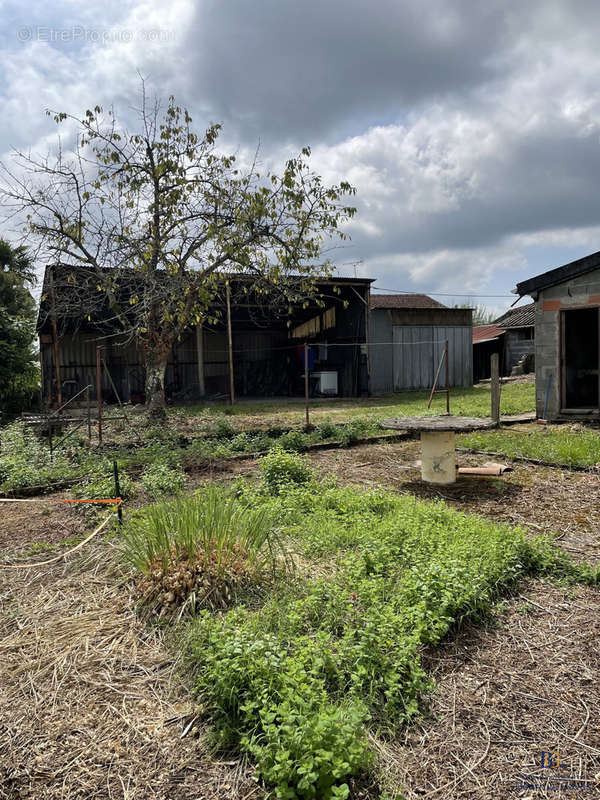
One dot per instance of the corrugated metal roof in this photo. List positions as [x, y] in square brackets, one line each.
[404, 301]
[521, 317]
[486, 333]
[559, 275]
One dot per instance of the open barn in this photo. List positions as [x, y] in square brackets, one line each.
[264, 352]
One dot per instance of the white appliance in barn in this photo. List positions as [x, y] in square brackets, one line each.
[326, 382]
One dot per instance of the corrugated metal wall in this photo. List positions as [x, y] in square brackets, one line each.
[417, 351]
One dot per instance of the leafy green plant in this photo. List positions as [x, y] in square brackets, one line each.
[296, 441]
[159, 479]
[221, 428]
[25, 459]
[327, 430]
[296, 682]
[103, 487]
[279, 469]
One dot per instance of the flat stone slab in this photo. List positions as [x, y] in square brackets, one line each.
[441, 423]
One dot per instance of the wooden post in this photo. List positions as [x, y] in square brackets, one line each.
[230, 347]
[89, 413]
[99, 393]
[306, 384]
[368, 336]
[200, 359]
[55, 340]
[495, 384]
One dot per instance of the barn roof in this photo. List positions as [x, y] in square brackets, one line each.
[559, 275]
[400, 301]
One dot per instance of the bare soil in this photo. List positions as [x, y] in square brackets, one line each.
[44, 521]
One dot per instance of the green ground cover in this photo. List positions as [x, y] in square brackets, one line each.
[516, 398]
[298, 676]
[156, 455]
[557, 445]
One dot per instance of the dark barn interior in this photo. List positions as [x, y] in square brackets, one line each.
[267, 347]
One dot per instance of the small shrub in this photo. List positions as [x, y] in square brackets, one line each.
[294, 441]
[327, 430]
[159, 479]
[280, 469]
[25, 459]
[100, 488]
[221, 428]
[241, 443]
[200, 549]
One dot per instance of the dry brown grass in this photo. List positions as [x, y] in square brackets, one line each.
[91, 705]
[503, 695]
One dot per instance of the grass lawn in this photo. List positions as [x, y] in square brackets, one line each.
[554, 445]
[516, 398]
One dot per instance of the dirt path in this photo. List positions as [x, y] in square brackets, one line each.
[44, 522]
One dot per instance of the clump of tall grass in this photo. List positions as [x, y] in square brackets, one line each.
[199, 551]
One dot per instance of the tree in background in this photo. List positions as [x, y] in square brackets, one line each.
[19, 374]
[163, 213]
[481, 314]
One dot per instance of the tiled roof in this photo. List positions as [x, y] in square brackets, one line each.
[485, 333]
[404, 301]
[521, 317]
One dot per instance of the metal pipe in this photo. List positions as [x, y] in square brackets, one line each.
[118, 491]
[306, 384]
[99, 393]
[70, 400]
[230, 346]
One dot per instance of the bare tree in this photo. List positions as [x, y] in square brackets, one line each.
[159, 218]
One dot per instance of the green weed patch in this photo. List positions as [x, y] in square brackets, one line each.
[297, 683]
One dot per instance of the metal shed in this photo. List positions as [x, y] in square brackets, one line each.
[407, 336]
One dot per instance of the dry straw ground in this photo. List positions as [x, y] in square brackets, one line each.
[90, 703]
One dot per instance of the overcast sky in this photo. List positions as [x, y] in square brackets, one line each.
[471, 129]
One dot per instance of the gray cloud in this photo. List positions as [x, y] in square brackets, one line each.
[292, 71]
[471, 129]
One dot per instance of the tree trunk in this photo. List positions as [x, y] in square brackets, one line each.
[155, 385]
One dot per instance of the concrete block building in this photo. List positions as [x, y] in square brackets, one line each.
[567, 334]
